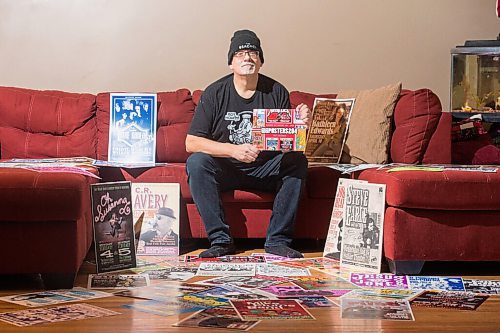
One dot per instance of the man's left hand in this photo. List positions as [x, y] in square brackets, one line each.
[305, 113]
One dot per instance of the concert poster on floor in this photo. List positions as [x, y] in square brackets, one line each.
[113, 226]
[270, 309]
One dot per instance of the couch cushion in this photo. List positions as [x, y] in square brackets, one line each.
[416, 118]
[322, 182]
[297, 97]
[27, 195]
[175, 112]
[439, 235]
[176, 173]
[174, 118]
[196, 96]
[368, 136]
[18, 143]
[447, 190]
[37, 124]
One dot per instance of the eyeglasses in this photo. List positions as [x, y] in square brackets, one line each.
[241, 54]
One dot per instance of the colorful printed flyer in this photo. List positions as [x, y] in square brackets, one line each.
[278, 129]
[270, 309]
[117, 281]
[436, 283]
[488, 287]
[380, 281]
[220, 317]
[373, 309]
[449, 299]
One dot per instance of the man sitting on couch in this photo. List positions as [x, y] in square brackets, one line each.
[224, 159]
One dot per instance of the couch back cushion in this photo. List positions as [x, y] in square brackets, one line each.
[44, 124]
[175, 112]
[297, 97]
[416, 118]
[420, 132]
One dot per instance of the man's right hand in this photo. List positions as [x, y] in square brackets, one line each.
[245, 153]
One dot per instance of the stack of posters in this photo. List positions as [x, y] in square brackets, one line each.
[79, 165]
[333, 242]
[327, 133]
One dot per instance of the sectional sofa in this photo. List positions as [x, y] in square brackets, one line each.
[45, 217]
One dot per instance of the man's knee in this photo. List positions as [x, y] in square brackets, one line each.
[298, 161]
[199, 163]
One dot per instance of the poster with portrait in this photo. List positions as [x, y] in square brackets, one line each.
[132, 128]
[113, 226]
[157, 206]
[362, 231]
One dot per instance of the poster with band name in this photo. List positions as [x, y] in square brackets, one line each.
[113, 226]
[132, 128]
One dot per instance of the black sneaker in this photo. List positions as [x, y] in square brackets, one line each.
[218, 250]
[283, 251]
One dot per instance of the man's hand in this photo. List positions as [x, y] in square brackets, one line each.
[305, 113]
[245, 153]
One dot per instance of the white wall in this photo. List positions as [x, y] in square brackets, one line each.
[313, 45]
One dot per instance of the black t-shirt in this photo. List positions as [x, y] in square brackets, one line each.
[223, 115]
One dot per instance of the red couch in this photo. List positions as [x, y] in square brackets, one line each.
[45, 217]
[36, 124]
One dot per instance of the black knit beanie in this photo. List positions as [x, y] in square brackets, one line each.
[244, 40]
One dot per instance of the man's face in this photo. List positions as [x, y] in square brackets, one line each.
[246, 62]
[165, 223]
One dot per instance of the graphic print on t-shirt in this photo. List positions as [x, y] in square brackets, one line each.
[240, 127]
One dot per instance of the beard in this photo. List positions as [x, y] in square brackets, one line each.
[247, 68]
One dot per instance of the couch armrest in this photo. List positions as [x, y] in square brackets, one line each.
[439, 148]
[422, 132]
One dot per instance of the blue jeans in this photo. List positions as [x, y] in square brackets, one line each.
[276, 172]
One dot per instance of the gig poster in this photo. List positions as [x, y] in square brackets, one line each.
[113, 226]
[132, 131]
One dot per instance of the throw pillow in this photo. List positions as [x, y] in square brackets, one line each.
[368, 136]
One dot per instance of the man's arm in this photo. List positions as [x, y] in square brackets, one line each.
[243, 153]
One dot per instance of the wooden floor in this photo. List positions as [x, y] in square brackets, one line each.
[485, 319]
